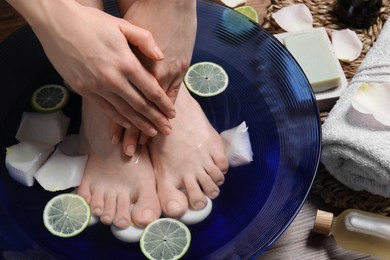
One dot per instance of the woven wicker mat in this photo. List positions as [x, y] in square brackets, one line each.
[325, 185]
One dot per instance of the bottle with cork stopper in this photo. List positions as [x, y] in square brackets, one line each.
[357, 230]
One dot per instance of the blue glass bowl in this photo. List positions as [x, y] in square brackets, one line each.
[267, 89]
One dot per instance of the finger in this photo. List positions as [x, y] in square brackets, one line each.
[110, 110]
[139, 120]
[146, 83]
[143, 139]
[130, 140]
[116, 132]
[139, 110]
[143, 39]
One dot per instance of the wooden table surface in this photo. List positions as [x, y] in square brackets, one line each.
[298, 241]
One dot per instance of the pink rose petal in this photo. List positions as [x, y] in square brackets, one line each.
[346, 44]
[294, 18]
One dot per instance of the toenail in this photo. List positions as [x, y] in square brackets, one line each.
[122, 223]
[173, 207]
[147, 215]
[214, 194]
[199, 204]
[97, 211]
[105, 219]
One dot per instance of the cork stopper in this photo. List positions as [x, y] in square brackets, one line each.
[323, 222]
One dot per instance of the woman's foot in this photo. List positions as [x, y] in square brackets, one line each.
[190, 163]
[120, 189]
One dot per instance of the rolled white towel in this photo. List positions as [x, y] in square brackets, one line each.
[356, 147]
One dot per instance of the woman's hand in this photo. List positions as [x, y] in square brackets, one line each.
[173, 24]
[90, 49]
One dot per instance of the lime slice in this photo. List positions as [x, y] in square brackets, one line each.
[66, 215]
[165, 238]
[49, 98]
[249, 11]
[206, 79]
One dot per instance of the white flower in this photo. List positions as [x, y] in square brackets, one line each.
[374, 98]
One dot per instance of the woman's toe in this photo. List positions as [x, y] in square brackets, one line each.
[173, 201]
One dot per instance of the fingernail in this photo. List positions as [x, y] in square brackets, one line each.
[166, 130]
[126, 125]
[115, 139]
[143, 139]
[159, 53]
[147, 215]
[152, 132]
[173, 207]
[172, 114]
[130, 150]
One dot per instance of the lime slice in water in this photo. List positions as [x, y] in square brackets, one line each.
[248, 11]
[206, 79]
[49, 98]
[165, 238]
[66, 215]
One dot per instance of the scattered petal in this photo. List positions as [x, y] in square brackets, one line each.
[374, 98]
[61, 171]
[346, 44]
[24, 159]
[43, 128]
[231, 3]
[237, 145]
[294, 18]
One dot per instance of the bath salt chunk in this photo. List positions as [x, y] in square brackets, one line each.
[313, 52]
[43, 128]
[22, 160]
[61, 171]
[237, 145]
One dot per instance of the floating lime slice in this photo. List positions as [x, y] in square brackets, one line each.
[49, 98]
[66, 215]
[206, 79]
[165, 238]
[248, 11]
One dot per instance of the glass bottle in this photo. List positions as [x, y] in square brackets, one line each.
[358, 13]
[357, 230]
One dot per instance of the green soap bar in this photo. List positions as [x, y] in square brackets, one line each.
[311, 50]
